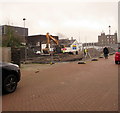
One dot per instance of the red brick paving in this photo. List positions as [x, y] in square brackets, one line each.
[66, 87]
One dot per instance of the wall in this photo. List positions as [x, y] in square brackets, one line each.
[5, 55]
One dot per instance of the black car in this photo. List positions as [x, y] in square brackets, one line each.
[10, 76]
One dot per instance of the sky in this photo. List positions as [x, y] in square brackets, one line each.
[83, 20]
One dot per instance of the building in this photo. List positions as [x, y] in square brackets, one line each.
[70, 46]
[106, 40]
[19, 32]
[38, 42]
[92, 44]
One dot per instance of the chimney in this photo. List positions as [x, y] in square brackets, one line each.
[71, 38]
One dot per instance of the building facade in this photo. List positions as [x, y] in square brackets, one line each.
[19, 32]
[38, 42]
[106, 40]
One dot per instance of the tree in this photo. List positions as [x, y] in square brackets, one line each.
[11, 39]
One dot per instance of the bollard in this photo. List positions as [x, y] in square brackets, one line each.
[82, 62]
[94, 59]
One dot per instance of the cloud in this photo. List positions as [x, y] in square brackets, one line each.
[61, 35]
[88, 24]
[45, 24]
[65, 18]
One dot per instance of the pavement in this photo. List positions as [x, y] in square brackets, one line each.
[66, 87]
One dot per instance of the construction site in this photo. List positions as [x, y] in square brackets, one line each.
[60, 56]
[49, 49]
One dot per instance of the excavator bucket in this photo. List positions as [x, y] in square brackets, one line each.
[46, 51]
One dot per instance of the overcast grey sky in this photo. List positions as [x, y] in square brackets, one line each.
[74, 18]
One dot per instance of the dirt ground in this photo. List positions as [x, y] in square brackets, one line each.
[46, 59]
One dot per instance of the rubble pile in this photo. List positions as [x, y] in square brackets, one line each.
[44, 59]
[55, 58]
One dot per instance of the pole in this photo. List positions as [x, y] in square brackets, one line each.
[25, 40]
[109, 30]
[52, 53]
[109, 35]
[80, 48]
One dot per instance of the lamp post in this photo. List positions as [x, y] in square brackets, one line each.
[24, 21]
[109, 29]
[25, 40]
[109, 34]
[52, 62]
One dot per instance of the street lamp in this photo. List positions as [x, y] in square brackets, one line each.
[24, 21]
[109, 34]
[25, 39]
[109, 29]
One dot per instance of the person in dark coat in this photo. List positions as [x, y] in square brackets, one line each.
[106, 52]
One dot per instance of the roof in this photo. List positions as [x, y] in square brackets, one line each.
[14, 26]
[66, 42]
[41, 36]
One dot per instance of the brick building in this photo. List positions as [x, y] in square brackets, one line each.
[104, 40]
[19, 32]
[35, 42]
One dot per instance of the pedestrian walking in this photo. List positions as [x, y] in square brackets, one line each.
[106, 52]
[86, 53]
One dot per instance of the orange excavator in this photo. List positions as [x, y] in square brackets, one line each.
[47, 50]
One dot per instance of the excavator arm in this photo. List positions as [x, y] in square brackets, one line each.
[46, 50]
[56, 41]
[48, 40]
[50, 37]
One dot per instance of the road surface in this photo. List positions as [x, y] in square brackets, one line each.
[66, 87]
